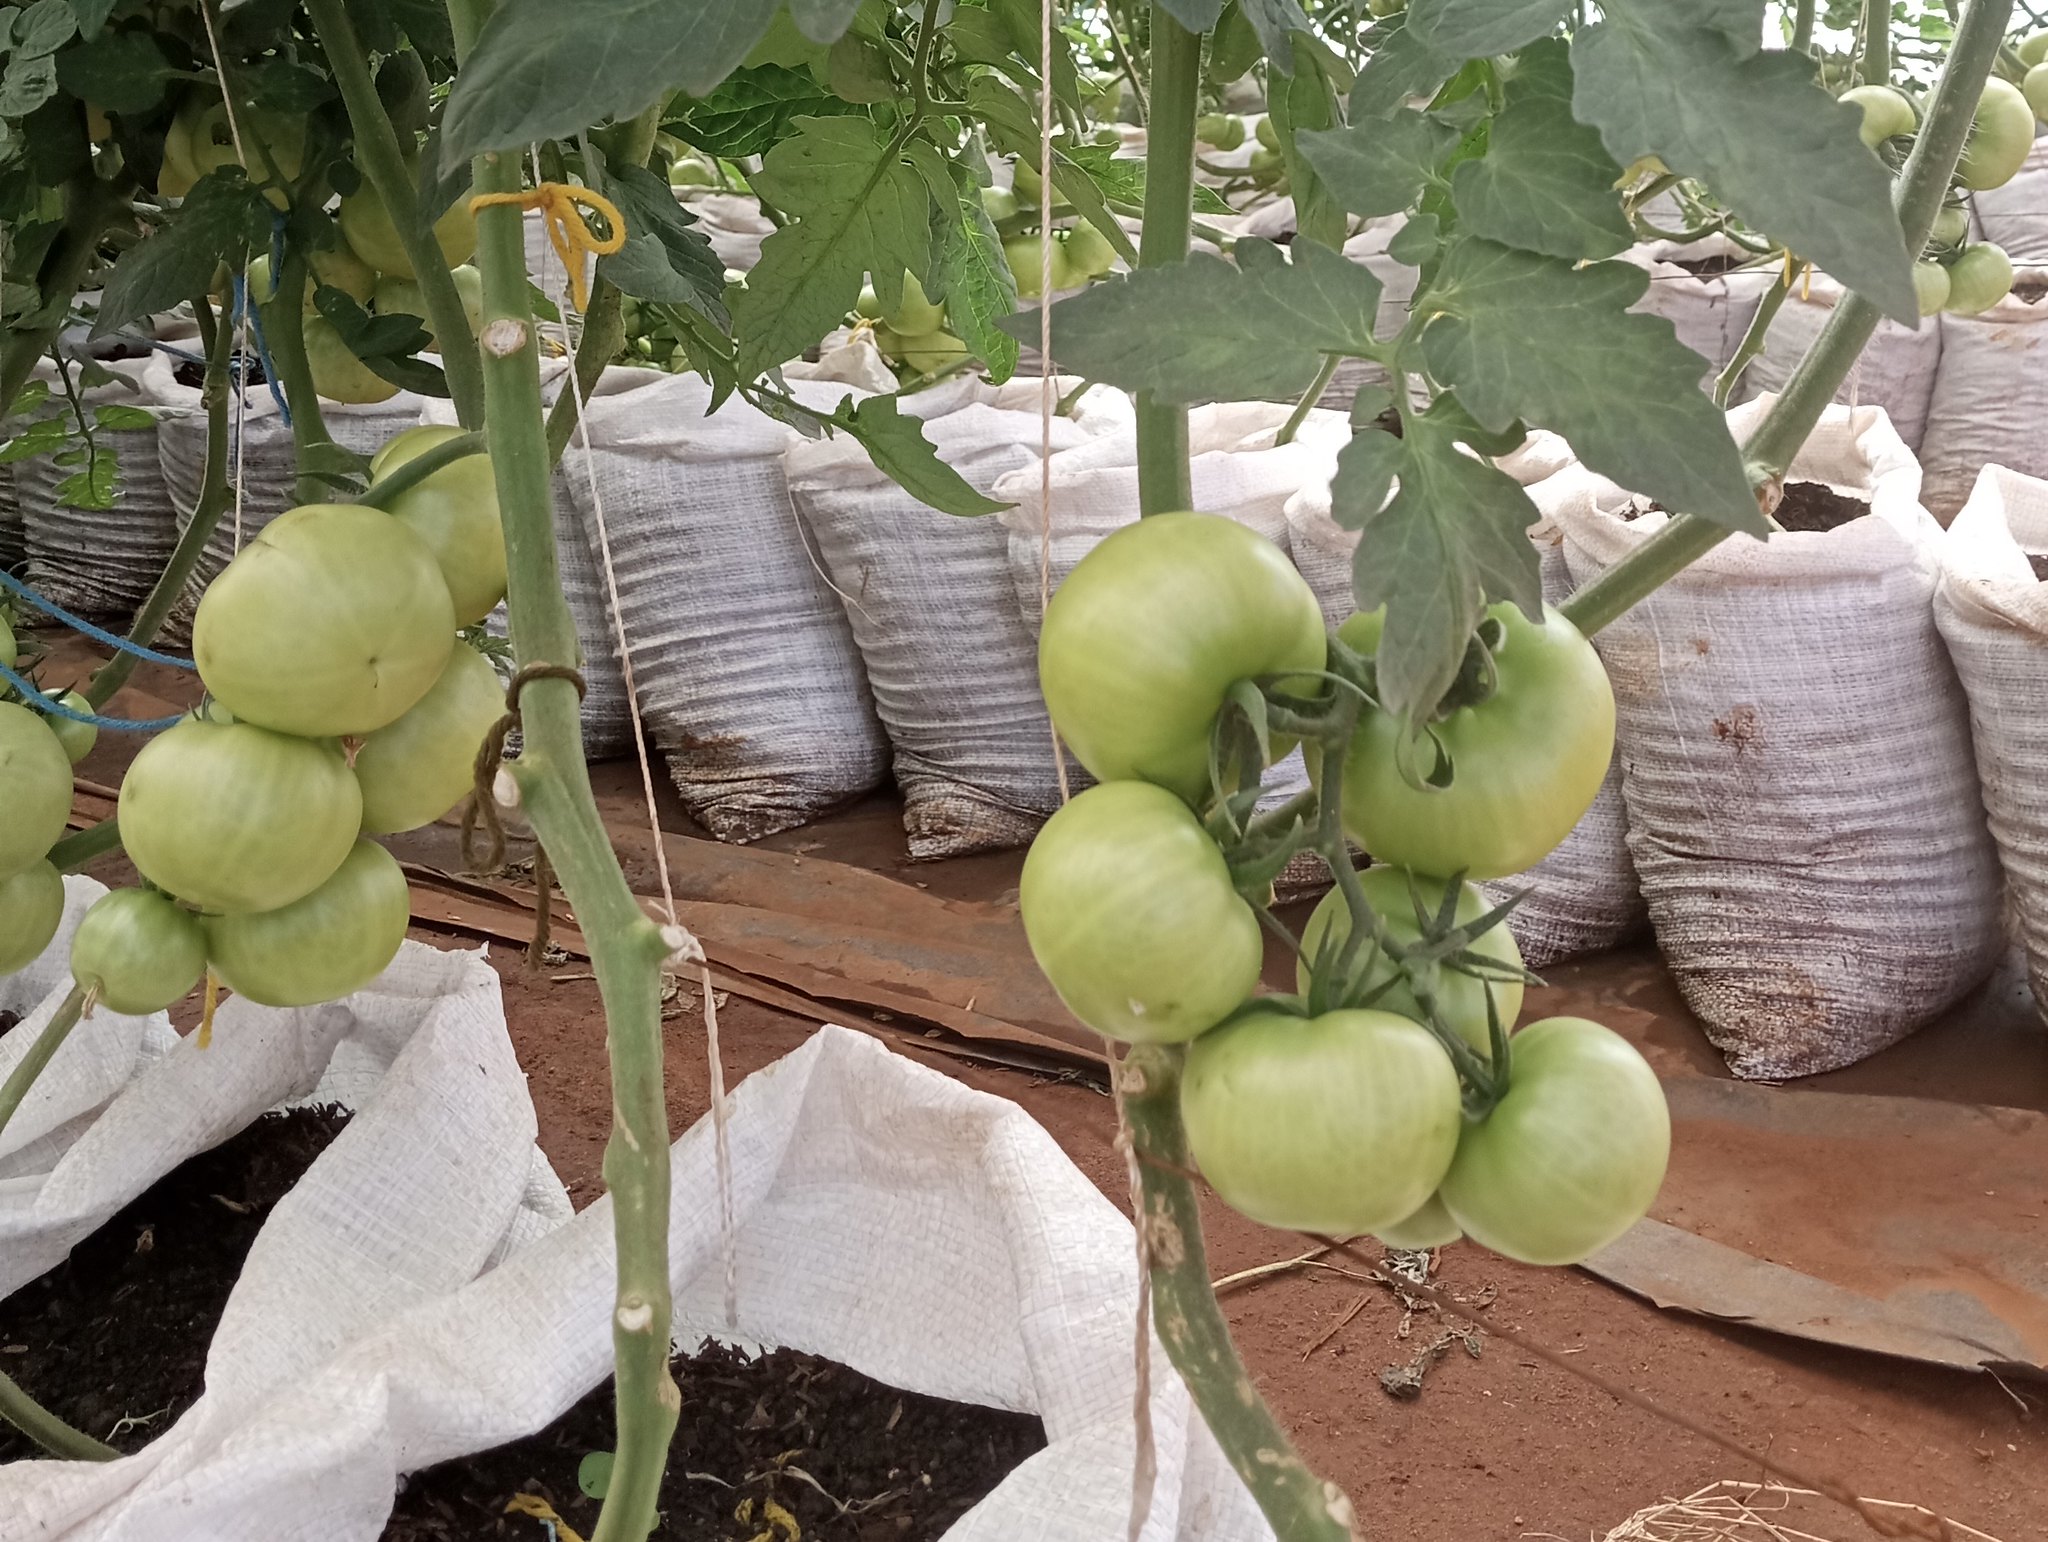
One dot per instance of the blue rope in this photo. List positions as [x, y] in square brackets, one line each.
[50, 704]
[97, 633]
[253, 314]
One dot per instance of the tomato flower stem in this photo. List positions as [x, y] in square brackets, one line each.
[1752, 342]
[1309, 398]
[1163, 477]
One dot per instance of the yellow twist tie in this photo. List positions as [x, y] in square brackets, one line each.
[567, 231]
[538, 1508]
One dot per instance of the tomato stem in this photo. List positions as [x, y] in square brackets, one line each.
[284, 333]
[54, 1033]
[1164, 481]
[78, 848]
[415, 471]
[61, 1440]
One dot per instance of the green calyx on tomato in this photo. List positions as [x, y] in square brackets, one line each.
[31, 909]
[1129, 909]
[1524, 762]
[138, 950]
[416, 769]
[455, 511]
[1460, 997]
[1887, 113]
[334, 620]
[1334, 1125]
[37, 777]
[1148, 634]
[1978, 278]
[1571, 1156]
[232, 817]
[2001, 134]
[326, 944]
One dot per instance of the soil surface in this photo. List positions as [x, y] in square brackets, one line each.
[114, 1339]
[2038, 561]
[847, 1458]
[1817, 506]
[1714, 266]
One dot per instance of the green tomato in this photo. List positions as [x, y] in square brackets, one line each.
[1268, 134]
[1089, 253]
[690, 171]
[1887, 113]
[1572, 1156]
[1429, 1227]
[2035, 88]
[1129, 909]
[1931, 285]
[1222, 129]
[76, 738]
[334, 620]
[140, 949]
[1333, 1125]
[232, 817]
[916, 315]
[1951, 228]
[367, 228]
[176, 177]
[1978, 279]
[930, 352]
[2001, 134]
[331, 942]
[206, 142]
[1024, 177]
[2034, 49]
[1026, 257]
[1460, 998]
[10, 650]
[36, 777]
[401, 296]
[455, 511]
[31, 909]
[338, 375]
[1526, 761]
[1266, 164]
[1150, 631]
[999, 204]
[416, 769]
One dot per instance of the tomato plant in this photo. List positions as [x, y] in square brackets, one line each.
[455, 512]
[413, 770]
[1978, 278]
[2000, 136]
[37, 777]
[31, 908]
[322, 945]
[138, 951]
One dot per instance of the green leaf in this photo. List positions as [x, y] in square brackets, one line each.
[1276, 22]
[39, 438]
[1402, 67]
[1480, 29]
[1525, 336]
[1380, 166]
[898, 447]
[95, 486]
[30, 81]
[1012, 123]
[278, 85]
[1309, 102]
[222, 218]
[751, 111]
[43, 28]
[32, 396]
[1233, 46]
[388, 344]
[856, 207]
[119, 419]
[1545, 183]
[1453, 537]
[665, 257]
[92, 15]
[335, 464]
[1203, 330]
[1020, 17]
[979, 288]
[425, 22]
[120, 72]
[1757, 129]
[1196, 15]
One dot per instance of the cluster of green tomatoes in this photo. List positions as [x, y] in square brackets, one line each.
[340, 705]
[1386, 1097]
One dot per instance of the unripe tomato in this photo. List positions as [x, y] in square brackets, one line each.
[690, 171]
[1572, 1156]
[931, 352]
[338, 375]
[416, 769]
[1526, 761]
[1026, 181]
[1026, 255]
[1460, 998]
[999, 204]
[342, 269]
[2034, 49]
[1887, 113]
[2035, 88]
[1930, 284]
[370, 234]
[333, 941]
[1129, 910]
[139, 949]
[36, 778]
[1150, 631]
[1978, 279]
[1222, 129]
[31, 909]
[916, 315]
[232, 817]
[1089, 253]
[1951, 228]
[1268, 134]
[2001, 134]
[455, 511]
[333, 620]
[1335, 1125]
[1266, 164]
[1429, 1227]
[401, 296]
[207, 142]
[76, 738]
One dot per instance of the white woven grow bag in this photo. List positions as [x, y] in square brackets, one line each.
[1993, 615]
[1990, 402]
[1710, 312]
[2016, 215]
[927, 1235]
[1802, 803]
[1895, 371]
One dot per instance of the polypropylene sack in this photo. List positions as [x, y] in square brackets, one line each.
[1796, 765]
[1895, 371]
[1990, 401]
[2015, 216]
[733, 223]
[1993, 614]
[745, 668]
[1694, 287]
[927, 1235]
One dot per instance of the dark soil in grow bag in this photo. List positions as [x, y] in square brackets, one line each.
[114, 1339]
[846, 1458]
[1805, 506]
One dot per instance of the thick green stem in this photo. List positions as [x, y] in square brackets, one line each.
[47, 1430]
[1163, 476]
[213, 502]
[1309, 398]
[1875, 62]
[24, 1075]
[284, 335]
[1298, 1505]
[1922, 188]
[385, 163]
[90, 208]
[1802, 27]
[421, 466]
[553, 789]
[81, 847]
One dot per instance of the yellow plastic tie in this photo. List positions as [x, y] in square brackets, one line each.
[542, 1511]
[568, 231]
[206, 1013]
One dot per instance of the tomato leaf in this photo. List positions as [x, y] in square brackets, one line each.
[1203, 330]
[1309, 102]
[96, 486]
[857, 207]
[1545, 182]
[118, 419]
[42, 28]
[898, 447]
[29, 81]
[1756, 127]
[751, 110]
[978, 288]
[1012, 123]
[1401, 67]
[1275, 21]
[665, 258]
[1452, 538]
[1522, 335]
[1479, 29]
[222, 219]
[120, 72]
[1380, 166]
[39, 438]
